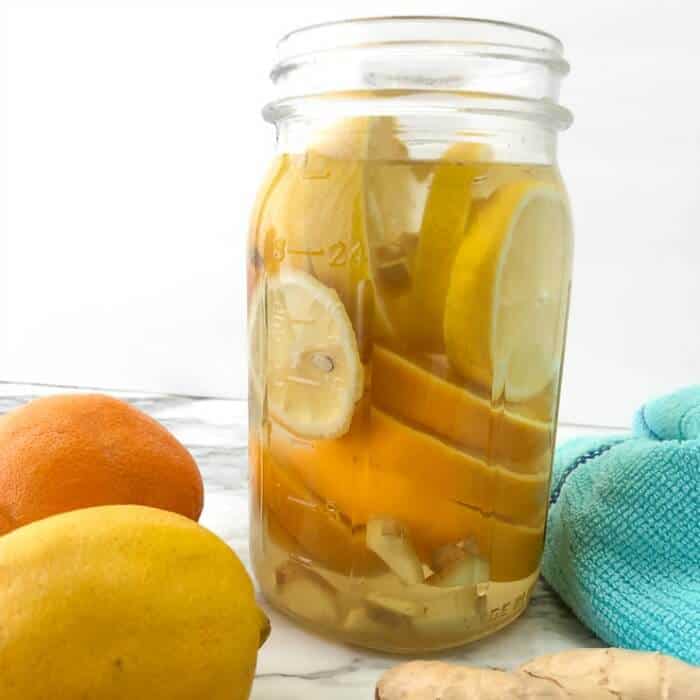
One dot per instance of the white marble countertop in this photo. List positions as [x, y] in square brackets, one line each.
[293, 663]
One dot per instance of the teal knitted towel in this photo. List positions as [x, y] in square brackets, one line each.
[623, 533]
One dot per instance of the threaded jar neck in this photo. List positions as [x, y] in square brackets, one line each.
[420, 65]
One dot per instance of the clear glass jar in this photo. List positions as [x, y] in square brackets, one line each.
[409, 273]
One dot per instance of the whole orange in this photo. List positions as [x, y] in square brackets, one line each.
[62, 453]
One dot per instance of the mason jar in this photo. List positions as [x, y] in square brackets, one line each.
[409, 270]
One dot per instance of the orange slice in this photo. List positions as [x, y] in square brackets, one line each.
[394, 471]
[332, 467]
[295, 512]
[439, 406]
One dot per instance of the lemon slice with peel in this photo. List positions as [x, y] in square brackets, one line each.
[506, 305]
[303, 355]
[447, 210]
[329, 207]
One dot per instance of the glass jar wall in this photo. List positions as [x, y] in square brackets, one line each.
[409, 271]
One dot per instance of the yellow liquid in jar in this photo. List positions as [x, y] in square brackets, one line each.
[421, 526]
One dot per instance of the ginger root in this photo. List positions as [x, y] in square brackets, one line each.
[585, 674]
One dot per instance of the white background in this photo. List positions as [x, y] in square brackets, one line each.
[134, 145]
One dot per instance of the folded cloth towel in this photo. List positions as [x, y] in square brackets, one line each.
[623, 533]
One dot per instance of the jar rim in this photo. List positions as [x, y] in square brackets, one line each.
[534, 44]
[437, 63]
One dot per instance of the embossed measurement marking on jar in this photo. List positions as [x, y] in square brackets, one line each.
[306, 251]
[338, 253]
[509, 608]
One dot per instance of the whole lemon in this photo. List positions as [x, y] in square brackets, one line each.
[125, 603]
[61, 453]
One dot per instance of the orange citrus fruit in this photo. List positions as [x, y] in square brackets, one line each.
[62, 453]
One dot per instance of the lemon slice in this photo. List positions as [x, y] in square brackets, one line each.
[303, 355]
[444, 225]
[506, 305]
[379, 200]
[360, 138]
[330, 206]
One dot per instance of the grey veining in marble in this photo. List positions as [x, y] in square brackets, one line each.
[294, 664]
